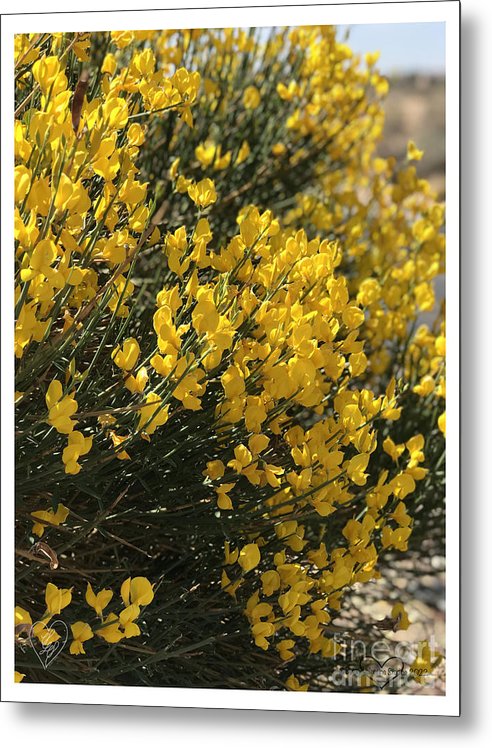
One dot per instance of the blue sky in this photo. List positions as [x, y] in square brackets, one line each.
[404, 47]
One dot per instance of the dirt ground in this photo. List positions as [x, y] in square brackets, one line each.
[420, 584]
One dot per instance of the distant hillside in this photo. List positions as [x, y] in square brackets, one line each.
[415, 110]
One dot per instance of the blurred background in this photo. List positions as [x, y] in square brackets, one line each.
[413, 60]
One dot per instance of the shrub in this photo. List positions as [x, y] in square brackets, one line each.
[227, 410]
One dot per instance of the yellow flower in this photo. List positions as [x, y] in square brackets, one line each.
[441, 422]
[115, 113]
[278, 149]
[144, 63]
[356, 467]
[258, 443]
[205, 316]
[229, 586]
[106, 161]
[287, 93]
[126, 356]
[424, 296]
[261, 630]
[127, 620]
[284, 649]
[243, 153]
[81, 633]
[60, 409]
[18, 677]
[42, 257]
[371, 58]
[49, 517]
[249, 557]
[139, 382]
[402, 485]
[57, 599]
[215, 469]
[135, 135]
[369, 291]
[413, 153]
[122, 38]
[22, 182]
[206, 153]
[270, 581]
[242, 458]
[251, 98]
[415, 446]
[254, 414]
[399, 613]
[230, 557]
[109, 64]
[396, 538]
[45, 72]
[21, 616]
[293, 684]
[223, 499]
[203, 193]
[99, 601]
[117, 440]
[401, 516]
[393, 450]
[353, 317]
[44, 633]
[423, 665]
[137, 590]
[78, 445]
[425, 386]
[110, 630]
[152, 414]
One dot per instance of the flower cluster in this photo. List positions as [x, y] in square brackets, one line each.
[112, 627]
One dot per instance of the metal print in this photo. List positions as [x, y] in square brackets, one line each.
[228, 260]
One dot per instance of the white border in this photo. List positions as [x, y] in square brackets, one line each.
[445, 11]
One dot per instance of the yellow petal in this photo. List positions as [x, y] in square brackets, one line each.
[141, 591]
[125, 591]
[54, 393]
[249, 557]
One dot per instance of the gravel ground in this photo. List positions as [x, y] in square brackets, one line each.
[420, 585]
